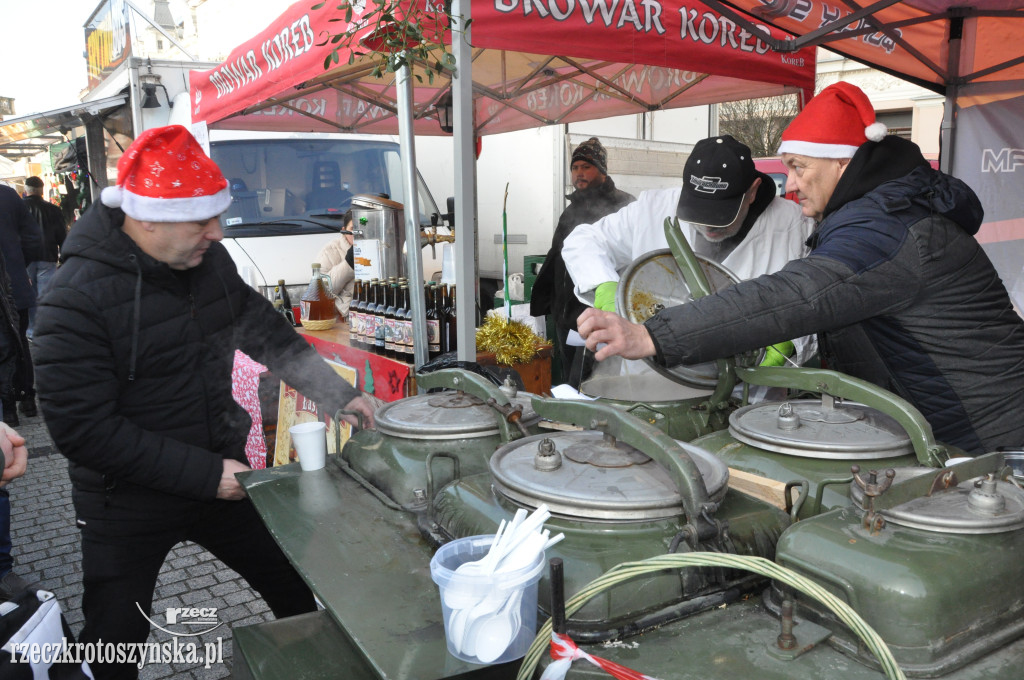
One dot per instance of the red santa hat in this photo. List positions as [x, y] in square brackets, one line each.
[833, 124]
[165, 176]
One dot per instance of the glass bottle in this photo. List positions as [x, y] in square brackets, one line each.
[433, 323]
[450, 341]
[366, 332]
[391, 323]
[378, 318]
[278, 300]
[316, 303]
[404, 315]
[286, 299]
[353, 313]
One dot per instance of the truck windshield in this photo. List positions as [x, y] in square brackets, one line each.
[277, 179]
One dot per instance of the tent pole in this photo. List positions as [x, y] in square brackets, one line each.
[403, 88]
[466, 281]
[947, 133]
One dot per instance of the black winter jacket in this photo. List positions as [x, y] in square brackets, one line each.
[133, 366]
[553, 290]
[901, 294]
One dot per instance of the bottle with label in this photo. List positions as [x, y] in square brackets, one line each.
[317, 304]
[378, 318]
[278, 300]
[366, 323]
[391, 323]
[433, 323]
[404, 314]
[450, 341]
[353, 312]
[285, 298]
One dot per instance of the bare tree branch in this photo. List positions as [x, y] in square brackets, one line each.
[758, 123]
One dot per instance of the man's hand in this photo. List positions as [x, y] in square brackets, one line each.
[15, 453]
[360, 405]
[230, 489]
[620, 337]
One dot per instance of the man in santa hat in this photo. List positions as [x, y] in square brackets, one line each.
[898, 289]
[134, 347]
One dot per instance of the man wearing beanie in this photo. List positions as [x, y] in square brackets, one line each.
[134, 344]
[898, 289]
[729, 213]
[594, 197]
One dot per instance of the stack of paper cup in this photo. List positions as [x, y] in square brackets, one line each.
[310, 442]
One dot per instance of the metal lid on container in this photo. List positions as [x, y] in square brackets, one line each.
[977, 506]
[654, 282]
[445, 415]
[820, 429]
[589, 476]
[372, 202]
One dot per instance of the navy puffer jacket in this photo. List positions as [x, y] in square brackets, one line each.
[133, 365]
[900, 293]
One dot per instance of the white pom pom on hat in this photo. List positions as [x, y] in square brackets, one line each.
[834, 124]
[165, 176]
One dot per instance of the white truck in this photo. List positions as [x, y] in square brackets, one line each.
[289, 192]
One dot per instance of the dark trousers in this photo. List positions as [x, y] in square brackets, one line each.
[24, 376]
[120, 572]
[6, 561]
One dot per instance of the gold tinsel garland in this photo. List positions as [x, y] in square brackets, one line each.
[512, 342]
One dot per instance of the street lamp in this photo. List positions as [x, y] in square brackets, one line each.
[443, 107]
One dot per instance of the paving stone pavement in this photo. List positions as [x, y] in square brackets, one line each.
[47, 549]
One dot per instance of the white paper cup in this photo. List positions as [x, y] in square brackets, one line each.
[310, 442]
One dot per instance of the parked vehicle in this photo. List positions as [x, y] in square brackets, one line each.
[289, 192]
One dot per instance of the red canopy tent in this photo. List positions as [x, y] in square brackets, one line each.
[971, 50]
[610, 59]
[584, 59]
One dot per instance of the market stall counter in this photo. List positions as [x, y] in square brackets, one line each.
[379, 376]
[369, 567]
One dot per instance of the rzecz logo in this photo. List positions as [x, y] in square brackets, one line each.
[186, 621]
[708, 185]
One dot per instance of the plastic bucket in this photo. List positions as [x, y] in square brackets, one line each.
[481, 611]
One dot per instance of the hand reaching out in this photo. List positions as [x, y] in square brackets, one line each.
[619, 336]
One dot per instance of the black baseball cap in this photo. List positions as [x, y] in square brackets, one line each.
[716, 177]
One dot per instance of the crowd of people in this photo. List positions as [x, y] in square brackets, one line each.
[133, 341]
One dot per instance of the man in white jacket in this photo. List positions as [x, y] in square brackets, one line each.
[728, 212]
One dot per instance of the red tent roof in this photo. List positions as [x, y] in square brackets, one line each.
[612, 58]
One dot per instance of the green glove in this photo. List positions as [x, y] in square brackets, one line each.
[604, 295]
[775, 355]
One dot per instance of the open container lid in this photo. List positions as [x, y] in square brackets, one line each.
[653, 282]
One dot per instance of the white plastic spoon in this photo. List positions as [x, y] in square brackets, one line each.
[491, 635]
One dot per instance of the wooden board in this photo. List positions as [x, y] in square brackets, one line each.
[768, 490]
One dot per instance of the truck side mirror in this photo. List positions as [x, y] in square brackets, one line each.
[449, 216]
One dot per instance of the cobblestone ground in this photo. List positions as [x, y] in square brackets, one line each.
[47, 550]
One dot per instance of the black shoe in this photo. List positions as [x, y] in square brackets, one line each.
[28, 407]
[12, 585]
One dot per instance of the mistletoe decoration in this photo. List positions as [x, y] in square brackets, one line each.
[393, 34]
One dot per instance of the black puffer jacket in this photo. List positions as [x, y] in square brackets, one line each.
[901, 294]
[133, 366]
[553, 290]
